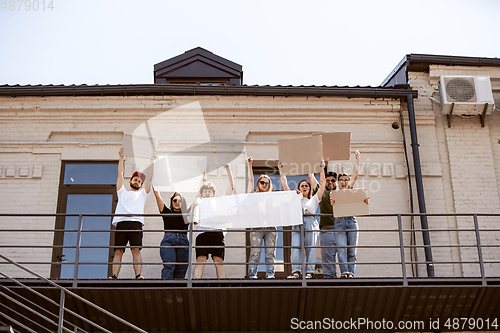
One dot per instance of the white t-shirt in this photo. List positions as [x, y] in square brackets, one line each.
[130, 202]
[309, 205]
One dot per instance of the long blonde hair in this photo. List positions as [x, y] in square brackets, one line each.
[270, 183]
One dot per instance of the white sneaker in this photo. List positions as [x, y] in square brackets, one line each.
[253, 277]
[270, 277]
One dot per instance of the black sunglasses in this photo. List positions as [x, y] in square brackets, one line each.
[330, 181]
[176, 200]
[263, 183]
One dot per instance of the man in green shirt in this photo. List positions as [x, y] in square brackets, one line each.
[327, 235]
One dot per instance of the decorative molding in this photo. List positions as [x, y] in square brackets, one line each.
[21, 171]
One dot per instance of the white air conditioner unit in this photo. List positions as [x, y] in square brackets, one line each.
[466, 95]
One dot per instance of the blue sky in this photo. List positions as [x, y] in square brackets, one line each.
[277, 42]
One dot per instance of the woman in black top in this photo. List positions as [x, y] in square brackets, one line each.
[175, 235]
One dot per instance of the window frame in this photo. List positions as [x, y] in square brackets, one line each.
[64, 190]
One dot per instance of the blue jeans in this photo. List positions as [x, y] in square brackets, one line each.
[346, 237]
[327, 238]
[269, 236]
[311, 239]
[176, 255]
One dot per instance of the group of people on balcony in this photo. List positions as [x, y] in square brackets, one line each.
[338, 236]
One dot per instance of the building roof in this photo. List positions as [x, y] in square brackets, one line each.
[421, 62]
[196, 90]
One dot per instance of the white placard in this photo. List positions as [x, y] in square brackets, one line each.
[251, 210]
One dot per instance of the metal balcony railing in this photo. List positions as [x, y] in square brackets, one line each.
[399, 232]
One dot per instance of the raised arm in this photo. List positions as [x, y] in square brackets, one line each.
[284, 182]
[250, 176]
[159, 199]
[356, 170]
[313, 181]
[119, 179]
[149, 177]
[322, 181]
[230, 181]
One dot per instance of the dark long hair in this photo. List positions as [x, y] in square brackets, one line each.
[183, 202]
[310, 188]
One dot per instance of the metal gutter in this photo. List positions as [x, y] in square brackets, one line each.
[199, 90]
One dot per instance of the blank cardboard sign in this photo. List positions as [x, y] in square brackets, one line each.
[138, 146]
[336, 146]
[349, 202]
[300, 156]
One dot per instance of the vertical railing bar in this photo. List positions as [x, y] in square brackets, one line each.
[303, 254]
[402, 248]
[190, 257]
[479, 250]
[61, 311]
[77, 250]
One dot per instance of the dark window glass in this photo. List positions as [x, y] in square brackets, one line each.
[90, 173]
[87, 204]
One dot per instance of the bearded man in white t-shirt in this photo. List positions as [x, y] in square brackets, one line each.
[129, 228]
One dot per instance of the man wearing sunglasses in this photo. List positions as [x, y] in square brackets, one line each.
[327, 235]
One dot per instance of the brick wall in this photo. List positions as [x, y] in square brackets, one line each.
[45, 131]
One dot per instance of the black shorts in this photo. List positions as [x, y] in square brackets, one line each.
[134, 236]
[210, 238]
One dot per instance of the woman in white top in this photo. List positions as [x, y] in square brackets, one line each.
[311, 225]
[258, 235]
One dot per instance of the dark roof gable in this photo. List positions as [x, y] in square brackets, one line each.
[198, 64]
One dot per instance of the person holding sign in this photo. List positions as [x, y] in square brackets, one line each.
[258, 235]
[311, 226]
[130, 202]
[175, 235]
[210, 236]
[347, 227]
[327, 234]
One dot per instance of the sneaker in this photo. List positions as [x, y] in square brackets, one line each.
[139, 277]
[270, 277]
[114, 277]
[253, 277]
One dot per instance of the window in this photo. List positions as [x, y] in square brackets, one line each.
[85, 188]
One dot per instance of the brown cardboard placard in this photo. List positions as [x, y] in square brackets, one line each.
[336, 145]
[138, 146]
[349, 202]
[300, 156]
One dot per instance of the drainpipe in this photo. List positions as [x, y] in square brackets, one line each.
[420, 187]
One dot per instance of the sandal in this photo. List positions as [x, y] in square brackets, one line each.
[344, 276]
[293, 276]
[309, 276]
[351, 276]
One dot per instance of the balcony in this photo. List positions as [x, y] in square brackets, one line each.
[32, 301]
